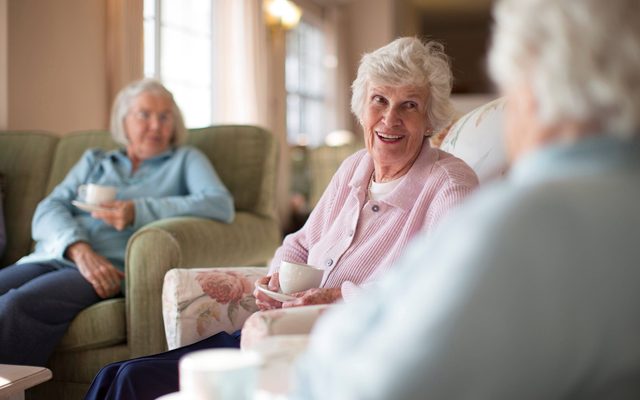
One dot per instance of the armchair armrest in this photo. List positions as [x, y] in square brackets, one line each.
[289, 321]
[200, 302]
[185, 242]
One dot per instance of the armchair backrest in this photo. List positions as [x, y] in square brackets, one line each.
[33, 163]
[244, 156]
[25, 158]
[70, 149]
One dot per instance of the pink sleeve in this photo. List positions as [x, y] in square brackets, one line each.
[349, 291]
[462, 182]
[295, 246]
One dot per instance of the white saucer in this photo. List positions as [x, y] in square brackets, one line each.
[274, 295]
[87, 207]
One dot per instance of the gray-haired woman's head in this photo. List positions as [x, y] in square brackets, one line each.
[124, 100]
[581, 59]
[408, 62]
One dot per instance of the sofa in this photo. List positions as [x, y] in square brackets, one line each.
[33, 162]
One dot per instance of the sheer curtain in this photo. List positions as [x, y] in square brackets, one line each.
[247, 74]
[240, 76]
[249, 80]
[125, 60]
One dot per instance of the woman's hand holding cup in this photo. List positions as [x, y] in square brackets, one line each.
[314, 296]
[264, 302]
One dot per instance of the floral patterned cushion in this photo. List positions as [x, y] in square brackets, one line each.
[477, 139]
[200, 302]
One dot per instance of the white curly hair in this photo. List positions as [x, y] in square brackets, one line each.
[408, 61]
[581, 58]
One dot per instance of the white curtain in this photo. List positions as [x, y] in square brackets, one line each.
[240, 48]
[125, 60]
[249, 80]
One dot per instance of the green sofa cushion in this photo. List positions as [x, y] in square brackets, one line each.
[103, 324]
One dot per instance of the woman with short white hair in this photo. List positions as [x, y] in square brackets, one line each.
[79, 256]
[530, 290]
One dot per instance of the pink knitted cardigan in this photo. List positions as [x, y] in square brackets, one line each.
[355, 239]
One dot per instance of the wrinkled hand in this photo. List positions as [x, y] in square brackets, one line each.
[101, 274]
[119, 213]
[263, 301]
[314, 296]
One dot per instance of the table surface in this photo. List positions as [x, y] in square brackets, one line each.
[15, 379]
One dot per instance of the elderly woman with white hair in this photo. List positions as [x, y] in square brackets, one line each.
[79, 255]
[377, 201]
[531, 289]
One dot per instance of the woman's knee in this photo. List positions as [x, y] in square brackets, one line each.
[14, 302]
[146, 379]
[140, 370]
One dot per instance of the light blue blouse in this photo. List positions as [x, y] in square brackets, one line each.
[529, 291]
[179, 182]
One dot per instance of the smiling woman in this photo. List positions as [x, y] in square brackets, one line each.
[395, 127]
[401, 96]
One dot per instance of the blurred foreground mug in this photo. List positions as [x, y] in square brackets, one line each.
[279, 353]
[219, 374]
[92, 193]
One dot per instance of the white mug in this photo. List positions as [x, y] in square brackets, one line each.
[295, 277]
[95, 194]
[279, 353]
[219, 374]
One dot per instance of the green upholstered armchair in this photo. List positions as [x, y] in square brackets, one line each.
[122, 328]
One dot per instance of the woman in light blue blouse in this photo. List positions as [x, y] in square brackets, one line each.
[79, 255]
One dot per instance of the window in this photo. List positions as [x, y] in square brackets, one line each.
[178, 50]
[306, 85]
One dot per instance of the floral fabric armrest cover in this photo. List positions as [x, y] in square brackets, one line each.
[200, 302]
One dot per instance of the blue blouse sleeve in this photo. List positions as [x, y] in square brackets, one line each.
[207, 196]
[54, 226]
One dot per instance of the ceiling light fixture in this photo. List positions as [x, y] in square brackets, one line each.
[282, 13]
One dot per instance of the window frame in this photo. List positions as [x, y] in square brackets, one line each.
[304, 96]
[156, 69]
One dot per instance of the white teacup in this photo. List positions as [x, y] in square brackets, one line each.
[220, 374]
[296, 277]
[92, 193]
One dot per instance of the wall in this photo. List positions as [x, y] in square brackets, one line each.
[466, 37]
[370, 26]
[57, 65]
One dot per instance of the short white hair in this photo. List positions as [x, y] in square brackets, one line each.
[124, 101]
[408, 61]
[581, 57]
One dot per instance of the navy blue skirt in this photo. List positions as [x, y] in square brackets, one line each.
[152, 376]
